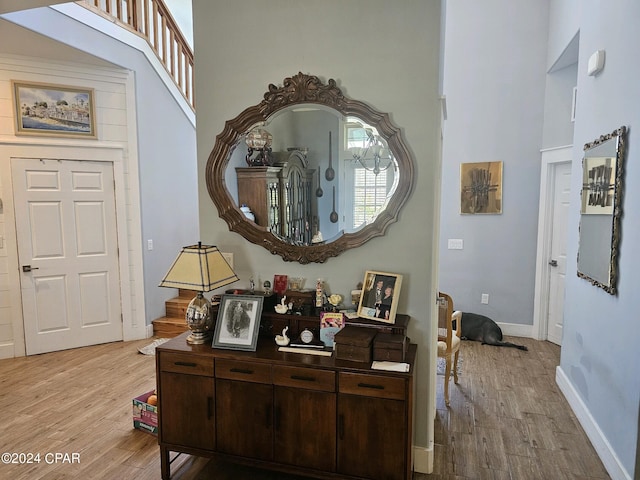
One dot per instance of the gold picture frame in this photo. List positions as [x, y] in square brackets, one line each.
[379, 297]
[481, 188]
[53, 110]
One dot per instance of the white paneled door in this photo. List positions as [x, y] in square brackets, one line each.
[558, 260]
[67, 249]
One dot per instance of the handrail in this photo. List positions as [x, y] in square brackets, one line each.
[152, 20]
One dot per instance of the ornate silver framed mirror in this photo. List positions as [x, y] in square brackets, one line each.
[601, 209]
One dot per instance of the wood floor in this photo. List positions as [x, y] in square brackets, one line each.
[507, 419]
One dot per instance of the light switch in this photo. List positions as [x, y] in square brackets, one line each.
[455, 244]
[484, 299]
[149, 244]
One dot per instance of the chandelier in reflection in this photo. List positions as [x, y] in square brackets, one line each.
[375, 155]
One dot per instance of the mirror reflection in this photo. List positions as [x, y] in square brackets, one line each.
[309, 175]
[601, 197]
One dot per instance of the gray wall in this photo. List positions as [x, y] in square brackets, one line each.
[396, 73]
[600, 354]
[494, 82]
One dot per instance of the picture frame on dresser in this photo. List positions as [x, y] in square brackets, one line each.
[238, 322]
[379, 296]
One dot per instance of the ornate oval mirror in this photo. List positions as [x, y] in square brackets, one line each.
[601, 209]
[309, 173]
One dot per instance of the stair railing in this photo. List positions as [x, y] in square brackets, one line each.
[152, 20]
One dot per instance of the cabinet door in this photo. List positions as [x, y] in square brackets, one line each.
[371, 437]
[305, 428]
[186, 410]
[244, 412]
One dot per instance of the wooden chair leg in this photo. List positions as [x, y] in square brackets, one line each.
[455, 367]
[447, 376]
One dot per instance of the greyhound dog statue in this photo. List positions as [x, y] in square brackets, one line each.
[483, 329]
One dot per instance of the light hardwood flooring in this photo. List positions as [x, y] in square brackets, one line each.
[507, 419]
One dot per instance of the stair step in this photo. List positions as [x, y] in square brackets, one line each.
[168, 327]
[177, 307]
[187, 293]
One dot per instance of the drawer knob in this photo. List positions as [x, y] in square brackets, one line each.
[242, 370]
[303, 378]
[186, 364]
[370, 385]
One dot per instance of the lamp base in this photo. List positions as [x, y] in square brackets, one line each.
[198, 318]
[198, 338]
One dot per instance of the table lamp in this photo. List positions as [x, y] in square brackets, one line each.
[201, 268]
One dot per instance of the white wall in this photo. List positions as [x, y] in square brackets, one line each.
[600, 354]
[494, 82]
[380, 52]
[110, 92]
[162, 142]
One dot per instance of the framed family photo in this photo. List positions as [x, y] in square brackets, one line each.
[238, 322]
[379, 297]
[53, 110]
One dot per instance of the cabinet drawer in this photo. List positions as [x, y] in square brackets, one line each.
[372, 385]
[301, 377]
[241, 370]
[185, 363]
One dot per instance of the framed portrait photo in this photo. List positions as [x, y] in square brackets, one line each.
[379, 297]
[54, 110]
[238, 322]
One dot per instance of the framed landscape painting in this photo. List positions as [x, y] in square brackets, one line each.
[53, 110]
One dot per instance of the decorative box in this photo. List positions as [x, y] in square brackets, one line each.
[389, 347]
[354, 343]
[145, 416]
[302, 300]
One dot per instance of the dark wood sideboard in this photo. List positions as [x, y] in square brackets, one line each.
[296, 413]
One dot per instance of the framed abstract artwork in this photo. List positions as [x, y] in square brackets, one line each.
[481, 187]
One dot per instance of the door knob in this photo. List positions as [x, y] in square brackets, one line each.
[553, 263]
[28, 268]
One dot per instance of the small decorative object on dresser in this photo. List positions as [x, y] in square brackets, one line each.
[354, 343]
[238, 322]
[330, 324]
[379, 298]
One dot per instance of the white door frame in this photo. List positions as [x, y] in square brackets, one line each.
[550, 157]
[131, 273]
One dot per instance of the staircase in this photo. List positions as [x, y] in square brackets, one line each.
[173, 323]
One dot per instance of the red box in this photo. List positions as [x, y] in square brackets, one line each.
[145, 416]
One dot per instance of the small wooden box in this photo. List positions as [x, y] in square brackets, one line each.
[354, 343]
[389, 347]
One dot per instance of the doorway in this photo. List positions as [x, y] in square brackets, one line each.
[67, 252]
[555, 192]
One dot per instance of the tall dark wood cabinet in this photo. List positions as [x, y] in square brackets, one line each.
[298, 413]
[259, 189]
[281, 198]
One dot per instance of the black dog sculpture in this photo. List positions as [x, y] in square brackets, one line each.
[483, 329]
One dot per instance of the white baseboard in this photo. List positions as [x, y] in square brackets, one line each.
[149, 331]
[7, 351]
[517, 330]
[602, 446]
[422, 459]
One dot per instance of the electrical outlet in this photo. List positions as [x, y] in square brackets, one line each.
[485, 298]
[149, 244]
